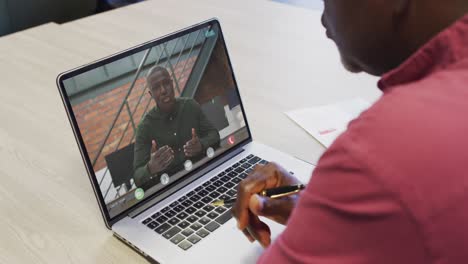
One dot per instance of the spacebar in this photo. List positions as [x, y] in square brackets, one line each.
[224, 217]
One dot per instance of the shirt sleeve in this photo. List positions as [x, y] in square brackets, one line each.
[346, 216]
[209, 135]
[141, 157]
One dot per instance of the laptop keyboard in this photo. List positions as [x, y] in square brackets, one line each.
[191, 218]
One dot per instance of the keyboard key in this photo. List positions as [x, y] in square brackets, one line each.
[147, 220]
[194, 239]
[231, 193]
[212, 226]
[249, 170]
[171, 232]
[224, 217]
[165, 209]
[246, 166]
[207, 199]
[236, 180]
[192, 219]
[222, 189]
[179, 208]
[235, 165]
[225, 178]
[195, 198]
[186, 203]
[254, 160]
[182, 215]
[183, 224]
[177, 239]
[214, 194]
[162, 228]
[263, 162]
[242, 175]
[222, 174]
[250, 156]
[156, 215]
[206, 183]
[185, 245]
[173, 221]
[170, 214]
[228, 170]
[229, 185]
[191, 210]
[152, 225]
[161, 219]
[174, 204]
[199, 188]
[196, 226]
[208, 207]
[224, 197]
[187, 232]
[217, 183]
[210, 188]
[233, 174]
[202, 193]
[239, 170]
[204, 221]
[212, 215]
[200, 213]
[181, 199]
[190, 193]
[202, 233]
[242, 160]
[198, 205]
[220, 210]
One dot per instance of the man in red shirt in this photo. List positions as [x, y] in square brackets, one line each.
[394, 187]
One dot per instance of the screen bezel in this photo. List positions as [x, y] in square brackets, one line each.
[109, 221]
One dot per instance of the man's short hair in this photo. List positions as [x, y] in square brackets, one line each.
[156, 69]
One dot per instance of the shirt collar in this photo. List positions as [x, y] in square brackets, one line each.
[447, 48]
[158, 114]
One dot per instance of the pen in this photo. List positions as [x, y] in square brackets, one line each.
[272, 193]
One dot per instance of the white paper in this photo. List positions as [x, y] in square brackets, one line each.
[326, 123]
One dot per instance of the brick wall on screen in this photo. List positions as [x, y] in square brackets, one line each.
[95, 116]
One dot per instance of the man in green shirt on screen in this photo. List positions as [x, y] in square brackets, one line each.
[173, 132]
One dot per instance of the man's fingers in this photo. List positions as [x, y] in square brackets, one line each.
[248, 235]
[261, 178]
[154, 147]
[259, 230]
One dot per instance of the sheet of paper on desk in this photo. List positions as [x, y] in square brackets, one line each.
[326, 123]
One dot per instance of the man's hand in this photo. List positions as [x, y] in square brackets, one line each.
[193, 147]
[160, 158]
[249, 205]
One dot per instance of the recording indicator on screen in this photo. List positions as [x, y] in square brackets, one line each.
[210, 33]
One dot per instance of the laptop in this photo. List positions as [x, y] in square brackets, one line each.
[163, 133]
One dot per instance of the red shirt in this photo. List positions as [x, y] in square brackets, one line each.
[394, 187]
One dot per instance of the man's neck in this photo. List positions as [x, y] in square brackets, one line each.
[428, 18]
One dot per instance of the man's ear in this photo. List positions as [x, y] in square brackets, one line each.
[400, 12]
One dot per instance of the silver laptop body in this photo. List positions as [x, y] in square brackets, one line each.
[169, 221]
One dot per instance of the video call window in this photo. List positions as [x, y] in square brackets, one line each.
[155, 115]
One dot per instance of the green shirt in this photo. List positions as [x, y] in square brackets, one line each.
[174, 130]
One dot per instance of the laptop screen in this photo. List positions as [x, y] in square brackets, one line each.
[152, 115]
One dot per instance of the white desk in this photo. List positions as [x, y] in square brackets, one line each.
[282, 61]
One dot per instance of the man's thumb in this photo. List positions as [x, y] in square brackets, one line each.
[194, 133]
[154, 147]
